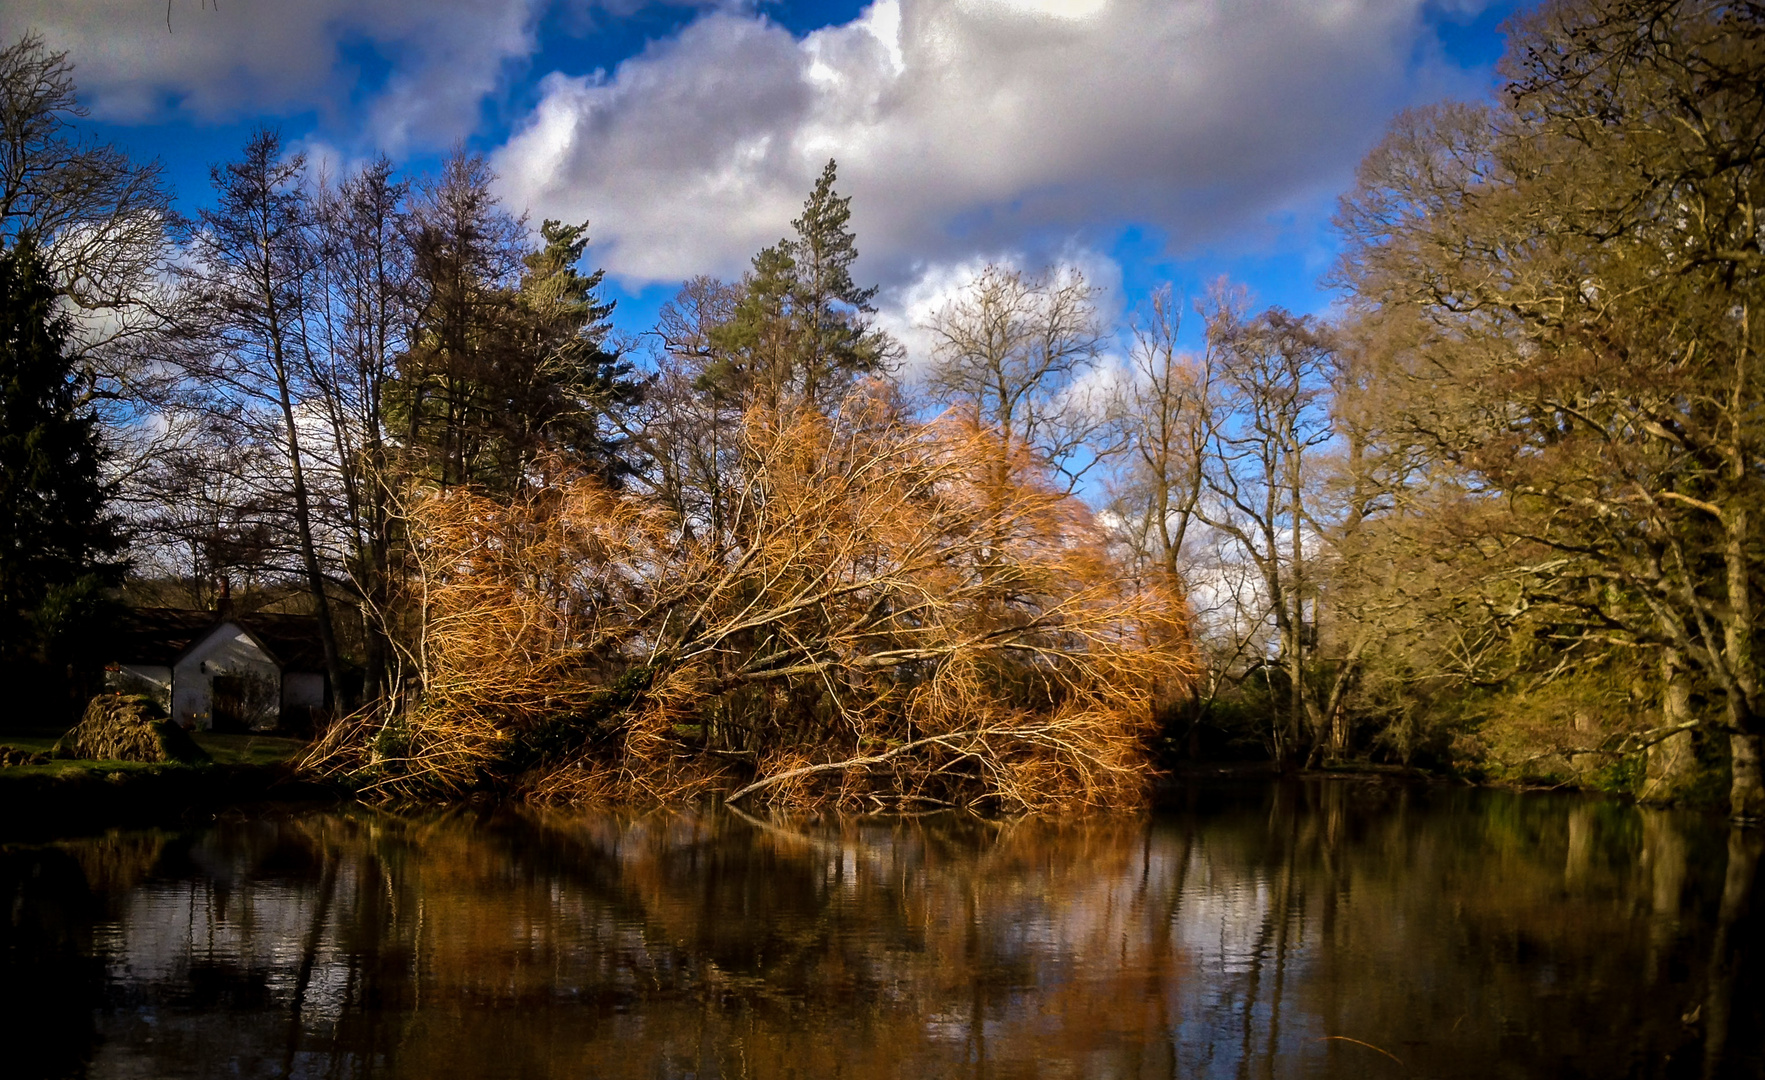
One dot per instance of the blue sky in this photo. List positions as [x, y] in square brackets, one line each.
[1148, 141]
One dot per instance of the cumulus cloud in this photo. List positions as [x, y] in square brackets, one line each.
[965, 126]
[221, 61]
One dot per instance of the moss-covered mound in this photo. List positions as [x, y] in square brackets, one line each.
[120, 727]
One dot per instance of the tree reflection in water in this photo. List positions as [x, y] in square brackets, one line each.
[1318, 929]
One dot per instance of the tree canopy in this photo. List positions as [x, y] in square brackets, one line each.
[1497, 515]
[58, 539]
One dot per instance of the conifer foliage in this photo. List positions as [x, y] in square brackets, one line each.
[566, 378]
[801, 333]
[56, 538]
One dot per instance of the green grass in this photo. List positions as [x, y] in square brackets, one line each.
[249, 749]
[75, 767]
[36, 744]
[224, 749]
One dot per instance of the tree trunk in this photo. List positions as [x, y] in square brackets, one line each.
[1295, 701]
[1671, 762]
[1746, 792]
[309, 559]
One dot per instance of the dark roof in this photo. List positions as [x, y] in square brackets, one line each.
[161, 635]
[292, 639]
[157, 635]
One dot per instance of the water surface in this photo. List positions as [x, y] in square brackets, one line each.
[1322, 929]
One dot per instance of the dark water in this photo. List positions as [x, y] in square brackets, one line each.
[1330, 929]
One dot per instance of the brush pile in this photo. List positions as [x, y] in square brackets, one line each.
[127, 727]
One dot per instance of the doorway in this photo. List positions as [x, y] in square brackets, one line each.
[226, 703]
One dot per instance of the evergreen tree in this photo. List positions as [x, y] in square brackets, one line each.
[57, 543]
[802, 331]
[566, 381]
[754, 358]
[448, 406]
[507, 355]
[837, 343]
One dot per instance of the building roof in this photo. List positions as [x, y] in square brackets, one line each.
[159, 636]
[293, 640]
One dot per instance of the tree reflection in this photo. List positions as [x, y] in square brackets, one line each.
[1331, 929]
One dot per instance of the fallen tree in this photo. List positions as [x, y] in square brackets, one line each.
[894, 614]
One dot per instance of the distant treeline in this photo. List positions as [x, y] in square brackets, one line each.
[1500, 515]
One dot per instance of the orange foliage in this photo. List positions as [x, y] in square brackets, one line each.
[890, 615]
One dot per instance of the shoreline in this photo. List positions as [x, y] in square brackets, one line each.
[68, 798]
[64, 799]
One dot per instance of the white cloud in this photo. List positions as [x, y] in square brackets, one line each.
[965, 125]
[244, 57]
[906, 307]
[961, 126]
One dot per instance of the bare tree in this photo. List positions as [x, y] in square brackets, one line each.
[688, 425]
[101, 222]
[1165, 412]
[1261, 477]
[100, 218]
[363, 278]
[253, 268]
[1012, 352]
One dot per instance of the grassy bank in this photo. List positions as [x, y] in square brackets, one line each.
[224, 749]
[59, 797]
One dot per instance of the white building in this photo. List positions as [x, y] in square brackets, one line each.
[218, 671]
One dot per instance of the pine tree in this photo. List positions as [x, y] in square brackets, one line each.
[802, 332]
[755, 351]
[566, 379]
[57, 542]
[836, 341]
[448, 407]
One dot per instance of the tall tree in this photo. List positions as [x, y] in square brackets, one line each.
[1580, 269]
[253, 268]
[801, 332]
[364, 271]
[1261, 476]
[447, 405]
[1165, 408]
[57, 540]
[567, 381]
[1166, 411]
[837, 341]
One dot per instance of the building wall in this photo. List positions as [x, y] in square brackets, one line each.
[228, 651]
[152, 680]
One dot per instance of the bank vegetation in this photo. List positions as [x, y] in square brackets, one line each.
[1498, 516]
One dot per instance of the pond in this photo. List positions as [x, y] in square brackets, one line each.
[1327, 928]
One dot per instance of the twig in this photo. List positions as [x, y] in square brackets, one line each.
[1368, 1045]
[877, 759]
